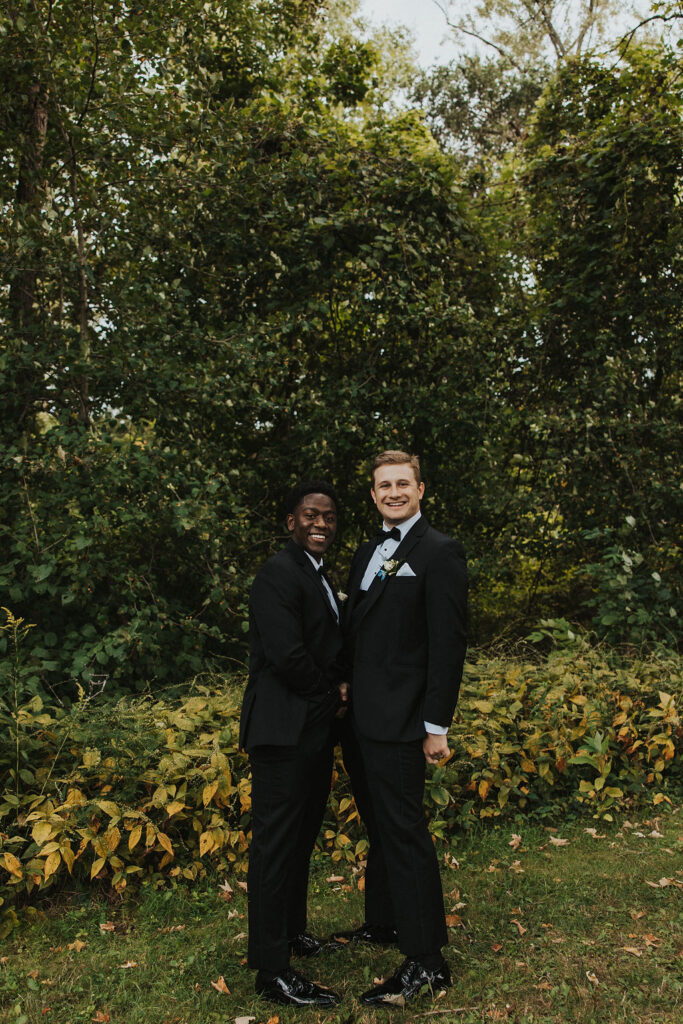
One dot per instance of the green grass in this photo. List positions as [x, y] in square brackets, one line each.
[539, 940]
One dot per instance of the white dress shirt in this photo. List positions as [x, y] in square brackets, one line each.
[382, 553]
[330, 596]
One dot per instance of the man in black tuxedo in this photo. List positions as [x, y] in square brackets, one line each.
[406, 628]
[296, 686]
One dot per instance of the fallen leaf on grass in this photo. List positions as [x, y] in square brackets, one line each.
[4, 959]
[559, 842]
[651, 940]
[220, 986]
[454, 921]
[46, 1009]
[32, 974]
[394, 999]
[233, 913]
[516, 867]
[594, 832]
[520, 927]
[225, 890]
[243, 885]
[335, 878]
[175, 928]
[544, 986]
[101, 1018]
[106, 926]
[244, 1020]
[77, 945]
[273, 1020]
[515, 841]
[378, 981]
[242, 935]
[496, 947]
[655, 834]
[632, 949]
[637, 914]
[593, 978]
[128, 964]
[664, 882]
[451, 862]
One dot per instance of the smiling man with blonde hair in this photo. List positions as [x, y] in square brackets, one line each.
[406, 631]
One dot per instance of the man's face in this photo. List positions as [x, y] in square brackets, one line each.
[313, 524]
[396, 493]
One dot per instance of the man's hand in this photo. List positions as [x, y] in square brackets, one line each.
[435, 748]
[344, 690]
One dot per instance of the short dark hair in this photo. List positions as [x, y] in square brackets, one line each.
[299, 492]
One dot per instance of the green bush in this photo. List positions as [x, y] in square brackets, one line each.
[111, 792]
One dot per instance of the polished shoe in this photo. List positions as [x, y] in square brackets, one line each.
[305, 944]
[408, 981]
[293, 989]
[373, 934]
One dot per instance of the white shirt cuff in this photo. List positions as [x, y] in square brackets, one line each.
[436, 730]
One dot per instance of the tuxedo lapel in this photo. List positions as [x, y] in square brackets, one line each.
[306, 566]
[361, 608]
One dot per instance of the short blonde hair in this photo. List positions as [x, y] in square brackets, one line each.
[397, 458]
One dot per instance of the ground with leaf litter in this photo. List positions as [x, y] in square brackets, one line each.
[571, 922]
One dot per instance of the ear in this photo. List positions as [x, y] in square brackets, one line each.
[421, 490]
[372, 493]
[290, 522]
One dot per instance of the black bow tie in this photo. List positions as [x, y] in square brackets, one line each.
[393, 534]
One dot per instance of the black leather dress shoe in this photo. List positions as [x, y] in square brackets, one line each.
[305, 944]
[374, 934]
[293, 989]
[408, 981]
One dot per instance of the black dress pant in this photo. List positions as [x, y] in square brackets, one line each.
[290, 786]
[402, 880]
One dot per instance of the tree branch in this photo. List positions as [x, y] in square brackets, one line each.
[475, 35]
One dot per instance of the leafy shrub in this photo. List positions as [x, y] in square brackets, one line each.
[111, 792]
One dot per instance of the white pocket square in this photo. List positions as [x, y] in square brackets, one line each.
[405, 570]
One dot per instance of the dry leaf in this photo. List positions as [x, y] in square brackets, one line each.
[32, 974]
[516, 867]
[633, 949]
[220, 986]
[496, 947]
[225, 890]
[651, 940]
[544, 986]
[77, 945]
[655, 834]
[233, 913]
[46, 1009]
[515, 841]
[273, 1020]
[594, 832]
[244, 1020]
[637, 914]
[243, 885]
[378, 981]
[128, 963]
[520, 927]
[106, 926]
[4, 959]
[592, 978]
[559, 842]
[335, 878]
[393, 999]
[101, 1018]
[454, 921]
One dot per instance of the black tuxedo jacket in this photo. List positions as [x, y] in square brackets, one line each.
[407, 637]
[295, 659]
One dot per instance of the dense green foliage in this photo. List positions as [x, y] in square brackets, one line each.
[157, 788]
[225, 266]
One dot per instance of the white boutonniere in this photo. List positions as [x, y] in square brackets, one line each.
[341, 596]
[389, 568]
